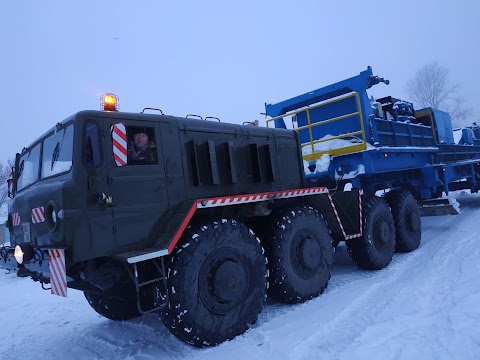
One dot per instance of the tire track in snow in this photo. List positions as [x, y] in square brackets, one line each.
[336, 335]
[98, 346]
[458, 250]
[340, 280]
[129, 339]
[345, 274]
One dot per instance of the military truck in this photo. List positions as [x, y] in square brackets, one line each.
[221, 213]
[199, 220]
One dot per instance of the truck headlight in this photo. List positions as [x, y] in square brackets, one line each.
[24, 253]
[18, 254]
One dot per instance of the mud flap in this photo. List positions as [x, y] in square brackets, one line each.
[347, 207]
[58, 273]
[437, 207]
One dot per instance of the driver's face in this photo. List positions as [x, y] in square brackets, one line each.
[140, 140]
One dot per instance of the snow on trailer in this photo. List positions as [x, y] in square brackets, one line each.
[199, 220]
[381, 144]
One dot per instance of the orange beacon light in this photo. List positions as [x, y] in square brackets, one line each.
[109, 102]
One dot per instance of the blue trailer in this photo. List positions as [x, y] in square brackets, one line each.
[348, 137]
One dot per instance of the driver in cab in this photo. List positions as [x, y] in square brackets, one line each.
[141, 150]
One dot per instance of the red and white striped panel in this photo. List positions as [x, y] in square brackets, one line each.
[348, 237]
[353, 236]
[337, 216]
[361, 211]
[58, 273]
[38, 215]
[119, 139]
[15, 219]
[248, 198]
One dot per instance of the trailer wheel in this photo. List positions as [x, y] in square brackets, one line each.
[217, 279]
[374, 250]
[114, 307]
[300, 253]
[408, 226]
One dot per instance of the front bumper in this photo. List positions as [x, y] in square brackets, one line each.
[48, 267]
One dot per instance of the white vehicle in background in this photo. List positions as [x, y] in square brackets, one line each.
[4, 235]
[6, 261]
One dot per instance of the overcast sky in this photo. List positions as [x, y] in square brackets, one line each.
[216, 58]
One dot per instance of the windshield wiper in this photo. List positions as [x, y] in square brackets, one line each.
[20, 169]
[55, 155]
[56, 151]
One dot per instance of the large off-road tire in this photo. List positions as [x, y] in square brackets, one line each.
[217, 280]
[122, 306]
[406, 216]
[300, 253]
[374, 250]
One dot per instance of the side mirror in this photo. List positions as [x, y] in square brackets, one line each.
[119, 144]
[10, 184]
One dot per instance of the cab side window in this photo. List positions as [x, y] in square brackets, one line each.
[92, 150]
[142, 149]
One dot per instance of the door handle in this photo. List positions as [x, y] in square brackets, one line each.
[169, 171]
[103, 200]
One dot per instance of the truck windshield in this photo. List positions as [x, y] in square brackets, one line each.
[56, 158]
[28, 168]
[57, 152]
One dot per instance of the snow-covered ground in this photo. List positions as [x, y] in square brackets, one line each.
[424, 305]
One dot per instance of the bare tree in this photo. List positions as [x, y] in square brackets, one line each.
[4, 175]
[432, 87]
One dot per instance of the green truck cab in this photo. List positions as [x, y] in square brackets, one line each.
[180, 231]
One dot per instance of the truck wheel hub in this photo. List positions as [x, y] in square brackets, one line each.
[223, 280]
[229, 281]
[384, 232]
[310, 253]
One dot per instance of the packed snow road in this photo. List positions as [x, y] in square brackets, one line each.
[424, 305]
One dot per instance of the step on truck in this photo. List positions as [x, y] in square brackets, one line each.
[198, 220]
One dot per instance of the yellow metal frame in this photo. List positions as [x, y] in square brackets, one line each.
[334, 152]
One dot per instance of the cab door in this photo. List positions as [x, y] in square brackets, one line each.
[139, 196]
[97, 237]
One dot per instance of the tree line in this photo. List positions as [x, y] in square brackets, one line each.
[432, 87]
[5, 170]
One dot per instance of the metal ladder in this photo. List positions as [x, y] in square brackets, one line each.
[159, 266]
